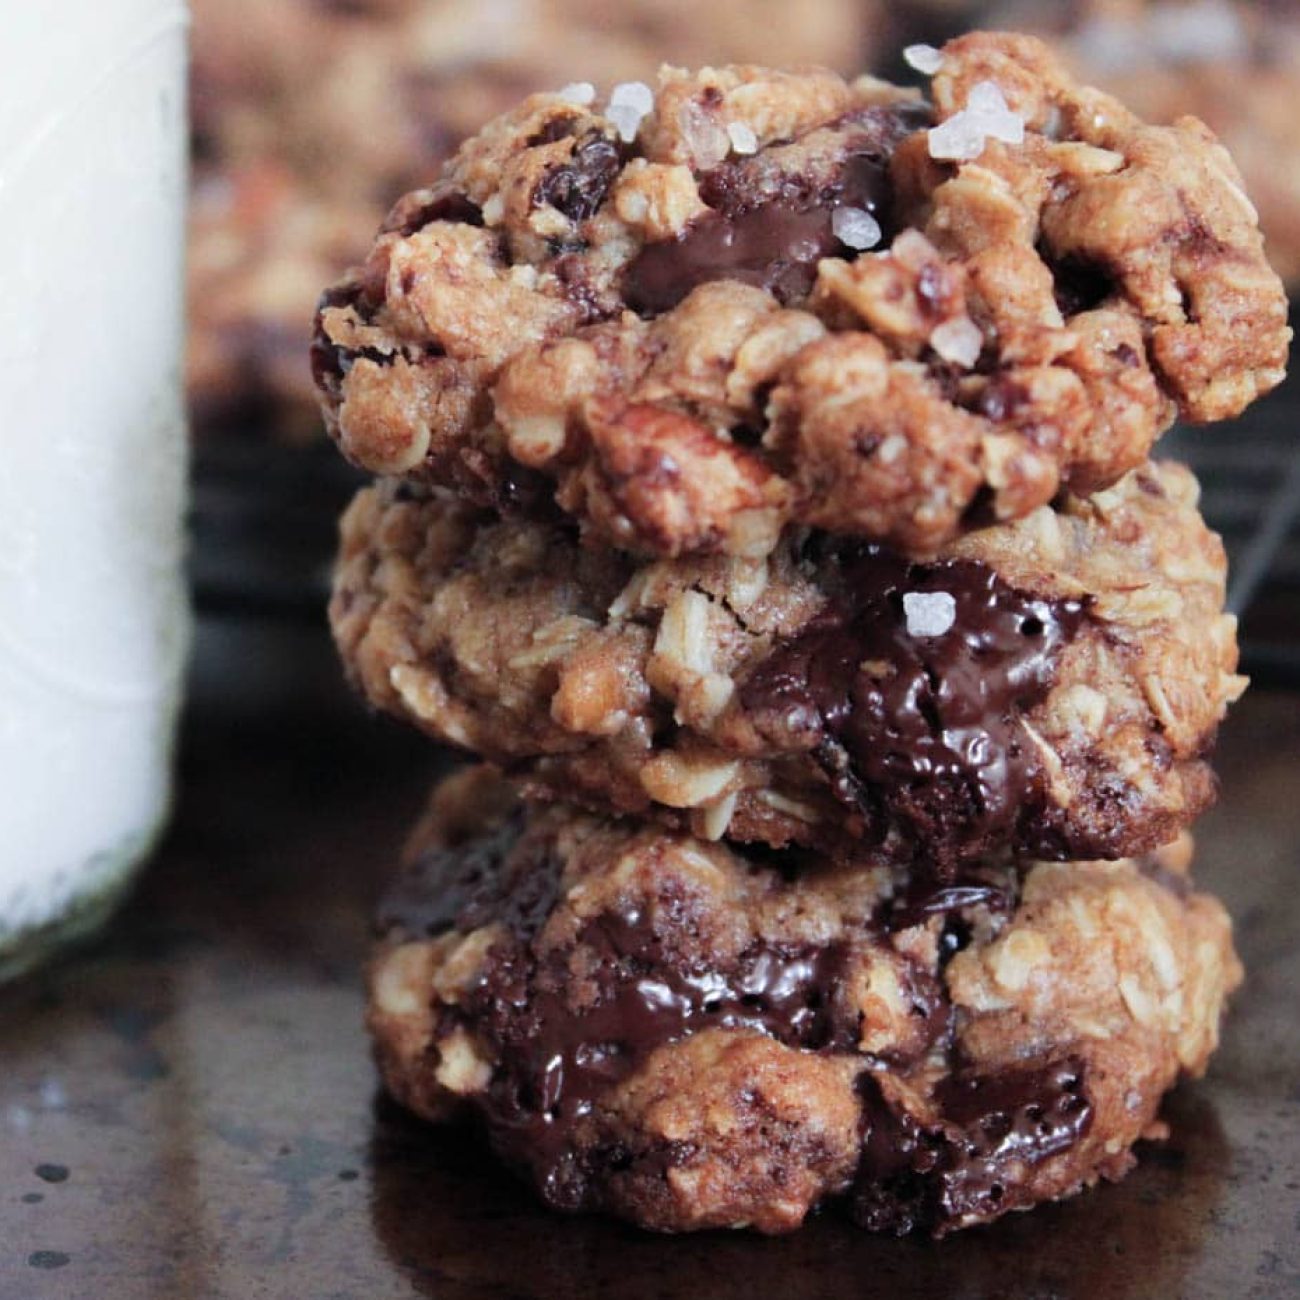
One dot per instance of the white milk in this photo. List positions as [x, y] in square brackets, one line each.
[92, 453]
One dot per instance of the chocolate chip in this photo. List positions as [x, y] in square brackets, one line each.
[923, 899]
[1081, 285]
[555, 1056]
[555, 1061]
[578, 188]
[444, 202]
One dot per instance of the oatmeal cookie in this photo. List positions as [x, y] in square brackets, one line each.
[348, 105]
[667, 1030]
[1051, 685]
[755, 297]
[1234, 65]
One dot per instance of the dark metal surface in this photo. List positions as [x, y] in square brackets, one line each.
[187, 1108]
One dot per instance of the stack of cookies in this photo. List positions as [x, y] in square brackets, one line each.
[764, 493]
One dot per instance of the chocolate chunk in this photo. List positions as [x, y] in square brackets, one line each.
[775, 246]
[578, 188]
[921, 732]
[555, 1058]
[771, 231]
[970, 1162]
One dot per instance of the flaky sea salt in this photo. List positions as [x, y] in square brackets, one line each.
[924, 58]
[958, 341]
[959, 139]
[629, 104]
[929, 613]
[626, 121]
[636, 94]
[578, 92]
[989, 104]
[855, 227]
[742, 137]
[986, 117]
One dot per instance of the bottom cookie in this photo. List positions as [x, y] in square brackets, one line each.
[689, 1036]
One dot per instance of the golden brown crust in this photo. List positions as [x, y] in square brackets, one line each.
[1165, 221]
[734, 1121]
[1030, 318]
[1233, 64]
[620, 685]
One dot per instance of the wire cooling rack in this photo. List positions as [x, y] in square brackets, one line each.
[265, 516]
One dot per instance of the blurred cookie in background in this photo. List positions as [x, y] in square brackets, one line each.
[311, 116]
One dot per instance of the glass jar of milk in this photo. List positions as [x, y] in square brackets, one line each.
[93, 625]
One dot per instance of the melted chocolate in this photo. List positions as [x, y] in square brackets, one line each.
[565, 1023]
[921, 734]
[924, 899]
[968, 1164]
[771, 235]
[555, 1059]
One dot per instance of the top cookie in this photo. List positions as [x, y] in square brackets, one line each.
[757, 297]
[1233, 63]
